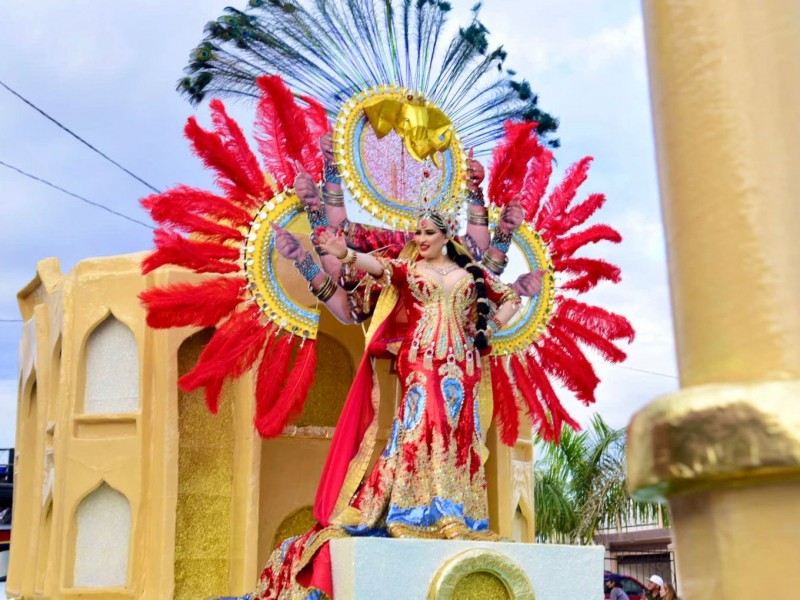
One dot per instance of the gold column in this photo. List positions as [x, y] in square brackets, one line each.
[725, 450]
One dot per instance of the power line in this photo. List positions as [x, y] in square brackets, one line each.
[79, 138]
[11, 321]
[645, 371]
[81, 198]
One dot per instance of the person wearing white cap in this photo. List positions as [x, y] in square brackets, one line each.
[654, 586]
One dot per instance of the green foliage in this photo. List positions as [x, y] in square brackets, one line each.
[581, 487]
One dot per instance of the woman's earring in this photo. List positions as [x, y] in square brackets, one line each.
[444, 250]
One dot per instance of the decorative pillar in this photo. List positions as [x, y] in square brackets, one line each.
[725, 449]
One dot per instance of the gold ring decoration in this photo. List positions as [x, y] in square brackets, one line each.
[260, 261]
[502, 578]
[532, 320]
[398, 153]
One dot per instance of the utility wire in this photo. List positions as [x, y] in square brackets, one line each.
[81, 198]
[10, 320]
[79, 138]
[648, 372]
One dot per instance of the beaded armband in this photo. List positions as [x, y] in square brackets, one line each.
[308, 267]
[331, 173]
[475, 197]
[472, 246]
[501, 241]
[317, 217]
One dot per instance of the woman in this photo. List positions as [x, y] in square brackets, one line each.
[429, 481]
[668, 592]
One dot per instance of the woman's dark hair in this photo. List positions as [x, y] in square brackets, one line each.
[466, 262]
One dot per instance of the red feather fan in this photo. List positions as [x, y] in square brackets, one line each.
[216, 226]
[521, 164]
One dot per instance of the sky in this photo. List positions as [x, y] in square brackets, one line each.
[108, 70]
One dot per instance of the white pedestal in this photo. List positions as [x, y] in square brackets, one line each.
[394, 569]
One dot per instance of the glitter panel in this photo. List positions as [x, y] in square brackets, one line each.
[335, 372]
[481, 585]
[205, 487]
[395, 174]
[296, 523]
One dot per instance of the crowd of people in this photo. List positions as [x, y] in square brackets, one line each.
[655, 588]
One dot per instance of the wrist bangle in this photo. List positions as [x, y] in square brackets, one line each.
[307, 267]
[474, 218]
[493, 264]
[332, 199]
[326, 291]
[350, 257]
[495, 324]
[501, 240]
[332, 173]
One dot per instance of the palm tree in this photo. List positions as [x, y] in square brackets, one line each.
[581, 486]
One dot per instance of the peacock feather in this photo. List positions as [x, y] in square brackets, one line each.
[334, 49]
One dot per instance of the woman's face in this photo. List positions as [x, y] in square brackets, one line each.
[429, 239]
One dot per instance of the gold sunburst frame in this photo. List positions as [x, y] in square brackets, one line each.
[260, 263]
[479, 561]
[427, 135]
[531, 323]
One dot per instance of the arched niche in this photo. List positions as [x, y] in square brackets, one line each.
[102, 539]
[205, 486]
[111, 370]
[45, 532]
[334, 374]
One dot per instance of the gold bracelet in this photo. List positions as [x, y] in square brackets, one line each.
[349, 258]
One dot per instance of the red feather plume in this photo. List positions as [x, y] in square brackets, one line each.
[202, 305]
[182, 200]
[589, 271]
[505, 412]
[293, 394]
[230, 352]
[272, 372]
[566, 246]
[529, 395]
[202, 257]
[510, 162]
[282, 131]
[563, 194]
[252, 179]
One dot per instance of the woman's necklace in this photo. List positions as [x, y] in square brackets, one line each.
[443, 271]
